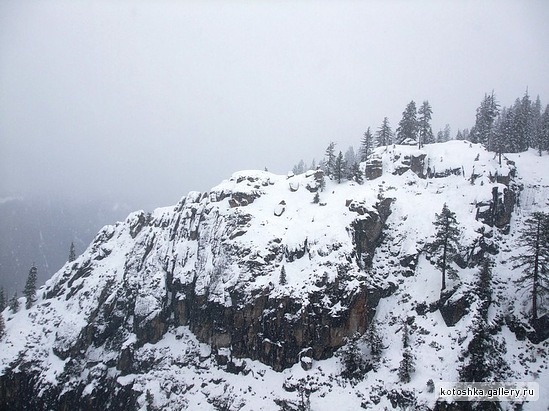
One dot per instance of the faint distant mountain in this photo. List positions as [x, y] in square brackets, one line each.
[34, 230]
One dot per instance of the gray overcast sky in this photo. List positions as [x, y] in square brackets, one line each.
[143, 101]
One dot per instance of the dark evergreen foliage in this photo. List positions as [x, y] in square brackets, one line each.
[407, 364]
[484, 356]
[354, 364]
[483, 129]
[2, 325]
[72, 253]
[512, 129]
[2, 299]
[282, 279]
[30, 287]
[375, 341]
[406, 132]
[366, 146]
[446, 241]
[544, 131]
[14, 303]
[425, 133]
[339, 168]
[534, 240]
[329, 160]
[355, 173]
[384, 134]
[149, 399]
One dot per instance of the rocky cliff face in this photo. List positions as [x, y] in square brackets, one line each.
[212, 265]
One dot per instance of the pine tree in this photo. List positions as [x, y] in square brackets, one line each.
[425, 133]
[339, 168]
[440, 136]
[355, 173]
[282, 279]
[350, 158]
[330, 160]
[484, 360]
[524, 122]
[354, 365]
[30, 287]
[384, 135]
[2, 299]
[535, 121]
[72, 253]
[316, 198]
[149, 400]
[483, 357]
[2, 325]
[14, 303]
[534, 241]
[407, 364]
[375, 341]
[406, 132]
[447, 132]
[366, 146]
[446, 241]
[486, 115]
[503, 132]
[544, 130]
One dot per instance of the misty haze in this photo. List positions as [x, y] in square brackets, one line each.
[261, 205]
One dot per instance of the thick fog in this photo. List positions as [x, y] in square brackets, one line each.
[140, 102]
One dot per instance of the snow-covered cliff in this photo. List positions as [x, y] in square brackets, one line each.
[187, 307]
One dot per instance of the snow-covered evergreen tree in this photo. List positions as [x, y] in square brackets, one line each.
[14, 303]
[283, 280]
[384, 134]
[425, 133]
[544, 130]
[486, 114]
[445, 245]
[339, 167]
[366, 145]
[406, 133]
[535, 121]
[483, 359]
[446, 133]
[2, 325]
[329, 160]
[503, 132]
[375, 341]
[407, 364]
[2, 299]
[350, 158]
[354, 363]
[534, 258]
[30, 287]
[525, 125]
[72, 253]
[355, 173]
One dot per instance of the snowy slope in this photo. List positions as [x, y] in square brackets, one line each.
[146, 316]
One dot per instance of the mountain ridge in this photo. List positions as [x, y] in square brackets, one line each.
[204, 277]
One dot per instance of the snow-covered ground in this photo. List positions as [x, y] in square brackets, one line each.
[183, 373]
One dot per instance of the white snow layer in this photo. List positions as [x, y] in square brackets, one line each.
[186, 376]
